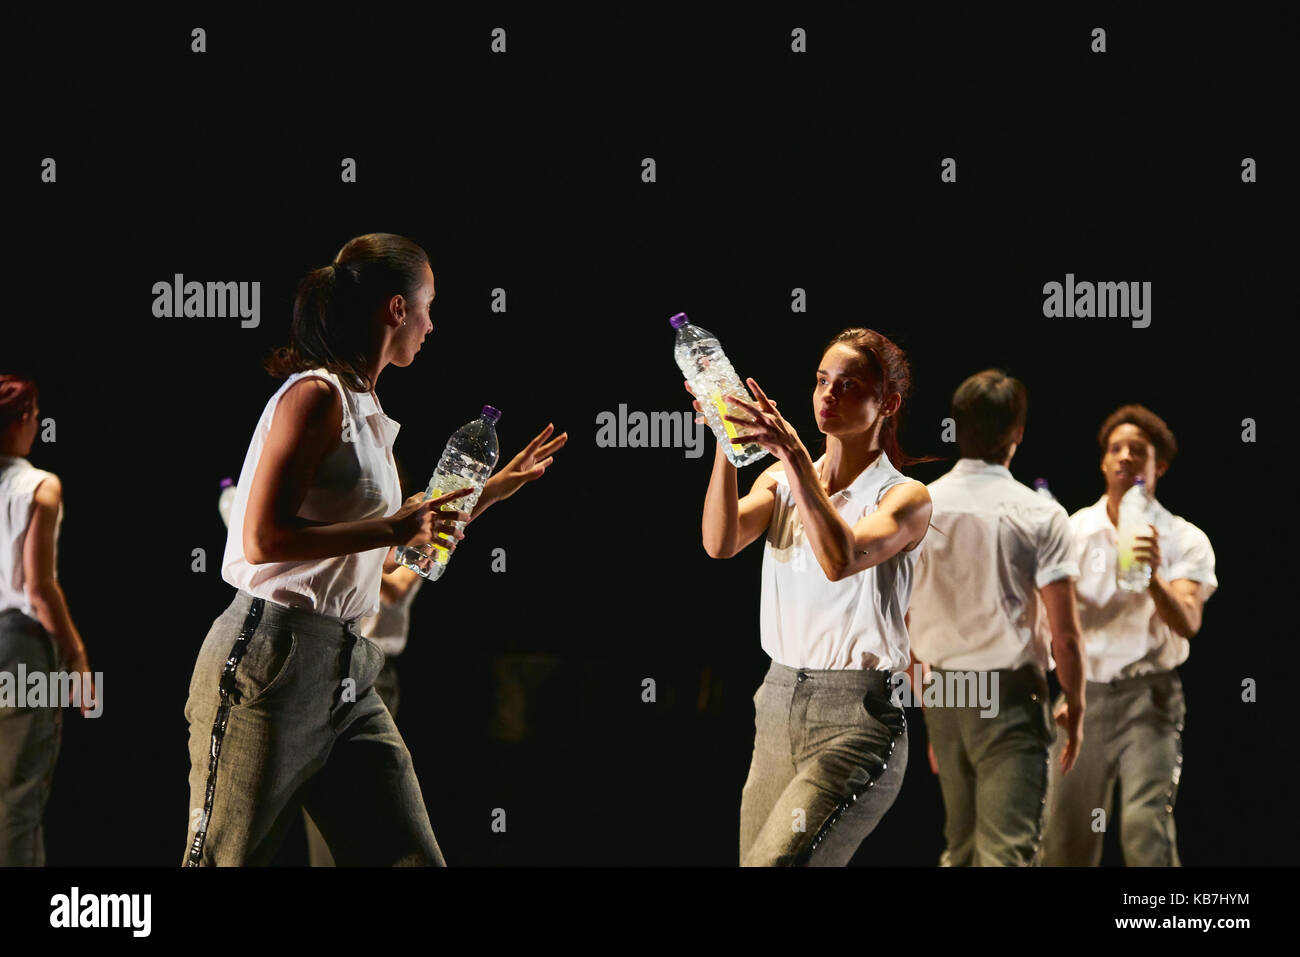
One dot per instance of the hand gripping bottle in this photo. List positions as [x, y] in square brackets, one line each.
[1134, 515]
[701, 359]
[467, 461]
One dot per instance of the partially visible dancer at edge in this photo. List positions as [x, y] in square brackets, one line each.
[36, 629]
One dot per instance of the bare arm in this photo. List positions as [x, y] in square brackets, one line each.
[730, 523]
[898, 524]
[307, 425]
[43, 590]
[395, 584]
[1063, 617]
[1179, 602]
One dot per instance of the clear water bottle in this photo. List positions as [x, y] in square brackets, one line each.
[700, 357]
[1134, 517]
[1040, 486]
[467, 462]
[226, 501]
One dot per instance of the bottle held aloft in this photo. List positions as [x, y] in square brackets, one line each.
[700, 357]
[1134, 519]
[467, 462]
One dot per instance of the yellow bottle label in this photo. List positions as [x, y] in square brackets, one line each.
[723, 412]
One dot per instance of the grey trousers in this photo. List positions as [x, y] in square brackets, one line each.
[283, 715]
[318, 850]
[1132, 731]
[830, 749]
[993, 772]
[29, 744]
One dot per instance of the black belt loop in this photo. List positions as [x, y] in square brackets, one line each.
[226, 689]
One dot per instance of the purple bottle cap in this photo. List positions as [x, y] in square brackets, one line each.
[1140, 481]
[1040, 483]
[678, 320]
[226, 482]
[490, 413]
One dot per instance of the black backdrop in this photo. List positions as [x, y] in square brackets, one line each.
[775, 170]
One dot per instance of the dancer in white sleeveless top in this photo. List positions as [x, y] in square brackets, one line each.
[843, 534]
[36, 630]
[282, 709]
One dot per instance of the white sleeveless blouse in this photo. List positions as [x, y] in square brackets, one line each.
[18, 482]
[808, 621]
[357, 480]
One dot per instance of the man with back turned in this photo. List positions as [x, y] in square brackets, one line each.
[995, 581]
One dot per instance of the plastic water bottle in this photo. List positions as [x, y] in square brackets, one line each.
[467, 461]
[226, 501]
[1040, 486]
[700, 357]
[1134, 516]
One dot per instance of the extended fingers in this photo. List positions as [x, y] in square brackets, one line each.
[450, 496]
[540, 437]
[553, 445]
[758, 391]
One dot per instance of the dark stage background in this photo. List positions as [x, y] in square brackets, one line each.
[775, 170]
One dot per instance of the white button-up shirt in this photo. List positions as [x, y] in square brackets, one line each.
[995, 542]
[19, 480]
[357, 480]
[808, 621]
[1124, 636]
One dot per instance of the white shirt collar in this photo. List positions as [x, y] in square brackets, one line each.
[1094, 516]
[858, 486]
[981, 466]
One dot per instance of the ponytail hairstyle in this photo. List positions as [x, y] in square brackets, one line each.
[334, 305]
[17, 399]
[891, 373]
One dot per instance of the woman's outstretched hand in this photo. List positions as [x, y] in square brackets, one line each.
[528, 465]
[766, 426]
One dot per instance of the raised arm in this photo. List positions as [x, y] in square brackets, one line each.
[898, 524]
[729, 522]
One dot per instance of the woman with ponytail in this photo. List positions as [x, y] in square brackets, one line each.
[843, 535]
[282, 710]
